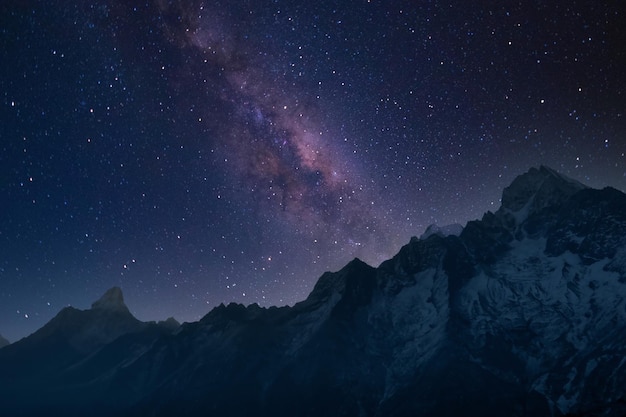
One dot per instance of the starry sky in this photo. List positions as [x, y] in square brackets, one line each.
[200, 152]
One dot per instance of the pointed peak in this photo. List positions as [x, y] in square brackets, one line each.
[112, 300]
[549, 172]
[541, 186]
[171, 323]
[356, 262]
[331, 282]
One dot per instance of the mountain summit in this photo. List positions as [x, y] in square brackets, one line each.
[537, 189]
[112, 300]
[521, 314]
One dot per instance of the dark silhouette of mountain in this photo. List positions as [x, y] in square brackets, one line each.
[522, 314]
[52, 361]
[3, 341]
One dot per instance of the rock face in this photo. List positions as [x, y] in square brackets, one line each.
[112, 300]
[454, 229]
[522, 314]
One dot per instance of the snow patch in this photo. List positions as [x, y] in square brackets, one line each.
[454, 229]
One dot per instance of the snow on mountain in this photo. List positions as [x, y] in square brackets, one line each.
[520, 313]
[454, 229]
[536, 190]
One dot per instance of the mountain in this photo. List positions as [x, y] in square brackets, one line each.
[523, 313]
[3, 341]
[454, 229]
[55, 360]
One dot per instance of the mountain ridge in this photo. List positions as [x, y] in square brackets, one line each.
[522, 313]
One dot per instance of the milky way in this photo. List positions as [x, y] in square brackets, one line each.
[277, 144]
[196, 153]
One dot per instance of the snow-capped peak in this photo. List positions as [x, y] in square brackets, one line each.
[453, 229]
[543, 186]
[535, 190]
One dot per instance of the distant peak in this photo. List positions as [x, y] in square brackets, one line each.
[171, 323]
[542, 186]
[112, 300]
[331, 282]
[453, 229]
[549, 172]
[3, 341]
[356, 262]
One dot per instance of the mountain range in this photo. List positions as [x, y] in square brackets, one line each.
[520, 313]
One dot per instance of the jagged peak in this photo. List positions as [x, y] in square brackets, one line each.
[331, 282]
[453, 229]
[354, 265]
[112, 300]
[234, 311]
[562, 178]
[537, 189]
[171, 323]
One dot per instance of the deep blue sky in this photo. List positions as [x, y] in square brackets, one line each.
[196, 152]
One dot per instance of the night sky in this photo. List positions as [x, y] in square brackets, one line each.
[200, 152]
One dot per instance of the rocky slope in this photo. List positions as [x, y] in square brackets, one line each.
[3, 341]
[523, 313]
